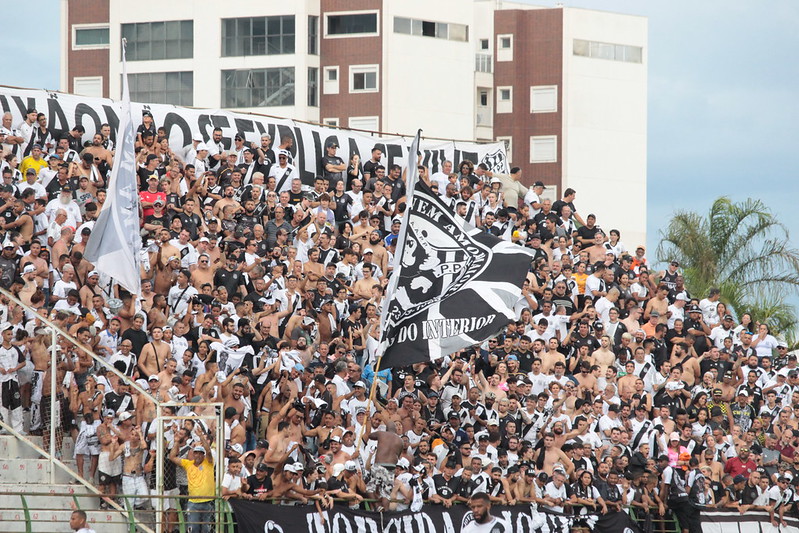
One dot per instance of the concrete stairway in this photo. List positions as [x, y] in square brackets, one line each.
[23, 471]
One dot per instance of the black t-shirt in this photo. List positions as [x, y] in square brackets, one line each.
[587, 233]
[333, 177]
[341, 208]
[446, 489]
[295, 198]
[258, 487]
[144, 174]
[558, 206]
[161, 221]
[228, 279]
[191, 223]
[137, 338]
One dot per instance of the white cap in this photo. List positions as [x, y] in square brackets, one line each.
[153, 377]
[682, 296]
[360, 384]
[6, 325]
[201, 146]
[199, 448]
[674, 436]
[350, 466]
[237, 448]
[403, 463]
[125, 416]
[368, 251]
[29, 268]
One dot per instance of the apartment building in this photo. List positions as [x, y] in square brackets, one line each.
[564, 88]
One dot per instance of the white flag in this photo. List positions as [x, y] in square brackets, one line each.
[115, 242]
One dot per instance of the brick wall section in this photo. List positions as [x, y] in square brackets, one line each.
[82, 63]
[537, 60]
[342, 52]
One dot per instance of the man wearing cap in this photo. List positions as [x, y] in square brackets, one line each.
[781, 497]
[200, 474]
[64, 201]
[148, 196]
[34, 161]
[334, 166]
[283, 172]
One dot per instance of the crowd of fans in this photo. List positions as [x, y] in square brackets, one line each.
[614, 388]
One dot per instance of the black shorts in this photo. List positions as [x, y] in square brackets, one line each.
[105, 479]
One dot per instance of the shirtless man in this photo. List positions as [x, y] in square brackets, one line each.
[659, 303]
[42, 270]
[203, 273]
[553, 455]
[603, 357]
[387, 453]
[597, 252]
[90, 289]
[551, 356]
[685, 357]
[587, 379]
[133, 480]
[154, 354]
[166, 275]
[145, 407]
[166, 375]
[165, 250]
[41, 362]
[363, 287]
[109, 466]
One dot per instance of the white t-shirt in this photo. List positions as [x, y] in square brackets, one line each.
[532, 198]
[231, 482]
[494, 525]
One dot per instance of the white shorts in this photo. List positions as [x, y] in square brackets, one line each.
[25, 373]
[171, 503]
[135, 485]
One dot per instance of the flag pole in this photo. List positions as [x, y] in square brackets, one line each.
[412, 175]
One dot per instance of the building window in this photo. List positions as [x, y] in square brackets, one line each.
[351, 24]
[544, 99]
[483, 98]
[544, 149]
[265, 87]
[159, 40]
[313, 86]
[504, 99]
[363, 79]
[508, 142]
[313, 35]
[609, 51]
[89, 36]
[364, 123]
[438, 30]
[91, 86]
[330, 122]
[330, 83]
[505, 47]
[484, 44]
[176, 88]
[258, 36]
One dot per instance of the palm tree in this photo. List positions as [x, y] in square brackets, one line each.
[742, 249]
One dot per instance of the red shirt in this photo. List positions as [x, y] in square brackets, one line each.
[735, 467]
[147, 196]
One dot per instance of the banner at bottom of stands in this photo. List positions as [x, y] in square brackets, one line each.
[259, 517]
[750, 522]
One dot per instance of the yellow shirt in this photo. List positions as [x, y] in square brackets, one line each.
[30, 162]
[201, 479]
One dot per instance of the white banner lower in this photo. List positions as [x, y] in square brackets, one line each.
[750, 522]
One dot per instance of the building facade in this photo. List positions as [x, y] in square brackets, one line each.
[564, 88]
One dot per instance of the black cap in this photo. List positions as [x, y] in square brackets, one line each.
[262, 443]
[151, 157]
[261, 467]
[146, 113]
[66, 188]
[331, 144]
[30, 110]
[539, 184]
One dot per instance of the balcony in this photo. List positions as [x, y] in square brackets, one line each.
[483, 63]
[484, 117]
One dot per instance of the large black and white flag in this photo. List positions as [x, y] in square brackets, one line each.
[453, 285]
[114, 244]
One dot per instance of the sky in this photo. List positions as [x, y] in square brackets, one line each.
[723, 119]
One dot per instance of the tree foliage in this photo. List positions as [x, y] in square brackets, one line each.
[742, 249]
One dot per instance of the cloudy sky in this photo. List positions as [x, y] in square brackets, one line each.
[722, 83]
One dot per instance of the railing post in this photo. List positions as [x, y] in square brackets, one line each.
[159, 468]
[53, 399]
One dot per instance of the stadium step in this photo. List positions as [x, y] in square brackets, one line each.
[57, 521]
[22, 470]
[11, 447]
